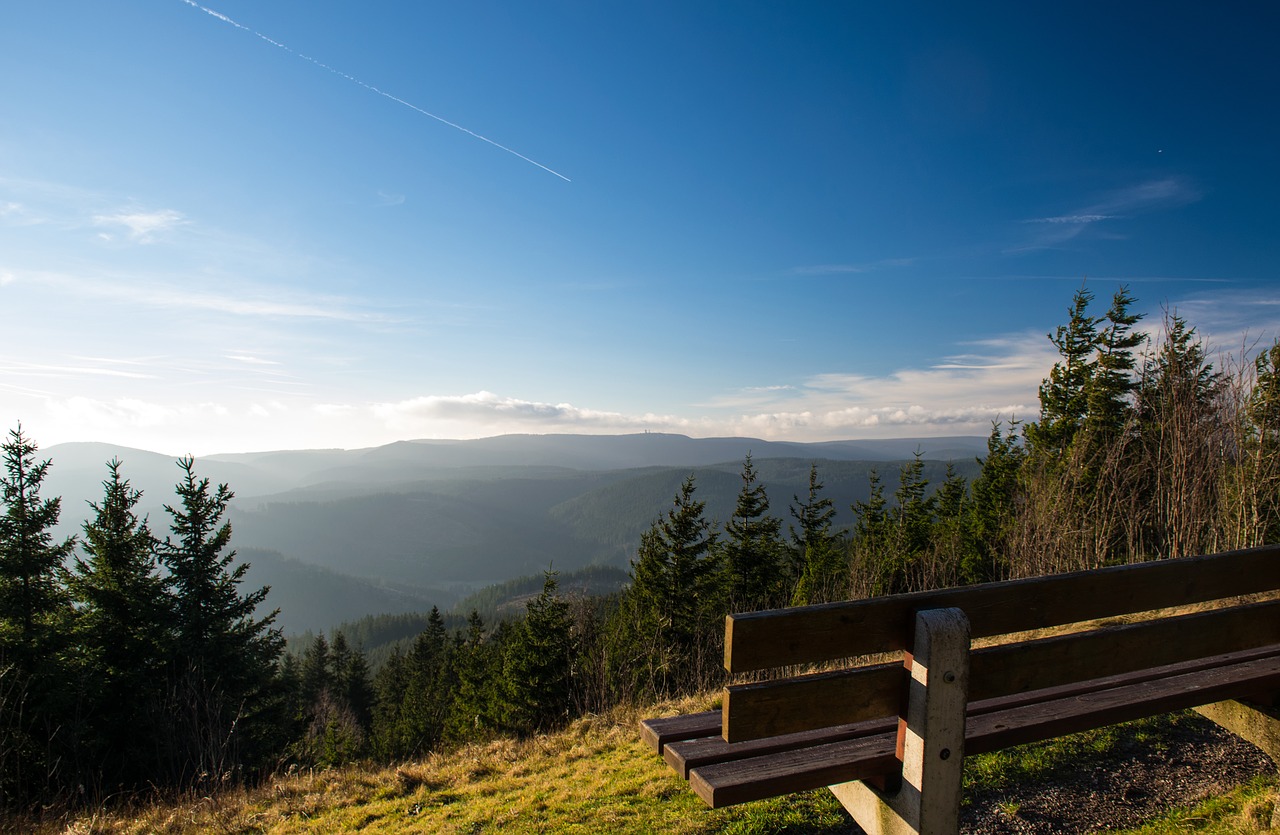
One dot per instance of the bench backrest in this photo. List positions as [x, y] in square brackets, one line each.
[817, 634]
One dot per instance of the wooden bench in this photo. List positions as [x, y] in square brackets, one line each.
[889, 738]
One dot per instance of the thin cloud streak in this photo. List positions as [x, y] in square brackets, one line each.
[244, 303]
[850, 269]
[373, 89]
[1152, 195]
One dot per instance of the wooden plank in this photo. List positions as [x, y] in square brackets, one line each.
[1045, 720]
[1049, 662]
[755, 778]
[806, 703]
[658, 733]
[815, 634]
[683, 756]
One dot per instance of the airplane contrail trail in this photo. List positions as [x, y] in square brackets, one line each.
[371, 88]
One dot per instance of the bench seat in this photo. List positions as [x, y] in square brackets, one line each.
[724, 773]
[889, 738]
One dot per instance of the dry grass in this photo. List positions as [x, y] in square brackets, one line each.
[594, 776]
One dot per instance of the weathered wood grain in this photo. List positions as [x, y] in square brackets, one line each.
[805, 703]
[704, 745]
[658, 733]
[815, 634]
[1029, 719]
[688, 754]
[755, 778]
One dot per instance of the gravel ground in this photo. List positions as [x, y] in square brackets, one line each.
[1124, 788]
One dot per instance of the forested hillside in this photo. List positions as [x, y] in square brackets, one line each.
[133, 660]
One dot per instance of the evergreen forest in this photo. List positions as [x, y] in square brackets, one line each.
[136, 660]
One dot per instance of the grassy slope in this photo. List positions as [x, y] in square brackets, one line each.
[594, 777]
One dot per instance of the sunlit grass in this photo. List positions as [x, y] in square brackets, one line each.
[596, 776]
[1248, 808]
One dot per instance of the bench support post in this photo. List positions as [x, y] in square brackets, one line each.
[1259, 724]
[933, 749]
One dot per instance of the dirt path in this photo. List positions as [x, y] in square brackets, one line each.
[1125, 787]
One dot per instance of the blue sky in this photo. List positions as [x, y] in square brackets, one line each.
[262, 225]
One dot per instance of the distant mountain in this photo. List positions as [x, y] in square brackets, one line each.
[351, 532]
[312, 599]
[407, 460]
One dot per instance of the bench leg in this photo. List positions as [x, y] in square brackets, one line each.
[928, 800]
[1256, 723]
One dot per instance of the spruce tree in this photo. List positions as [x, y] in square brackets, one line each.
[124, 629]
[668, 624]
[477, 668]
[818, 567]
[537, 665]
[1064, 394]
[994, 498]
[752, 549]
[951, 538]
[872, 541]
[34, 609]
[423, 678]
[224, 661]
[1112, 380]
[35, 623]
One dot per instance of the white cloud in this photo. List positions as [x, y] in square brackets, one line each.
[142, 226]
[486, 408]
[961, 394]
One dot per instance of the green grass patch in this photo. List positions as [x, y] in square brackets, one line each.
[1044, 761]
[1248, 808]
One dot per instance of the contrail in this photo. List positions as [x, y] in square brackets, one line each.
[371, 88]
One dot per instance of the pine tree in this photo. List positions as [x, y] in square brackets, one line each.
[951, 537]
[124, 629]
[1111, 380]
[351, 680]
[537, 666]
[666, 628]
[752, 549]
[1064, 395]
[477, 668]
[315, 671]
[390, 686]
[818, 567]
[872, 541]
[226, 699]
[35, 622]
[34, 608]
[994, 505]
[415, 694]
